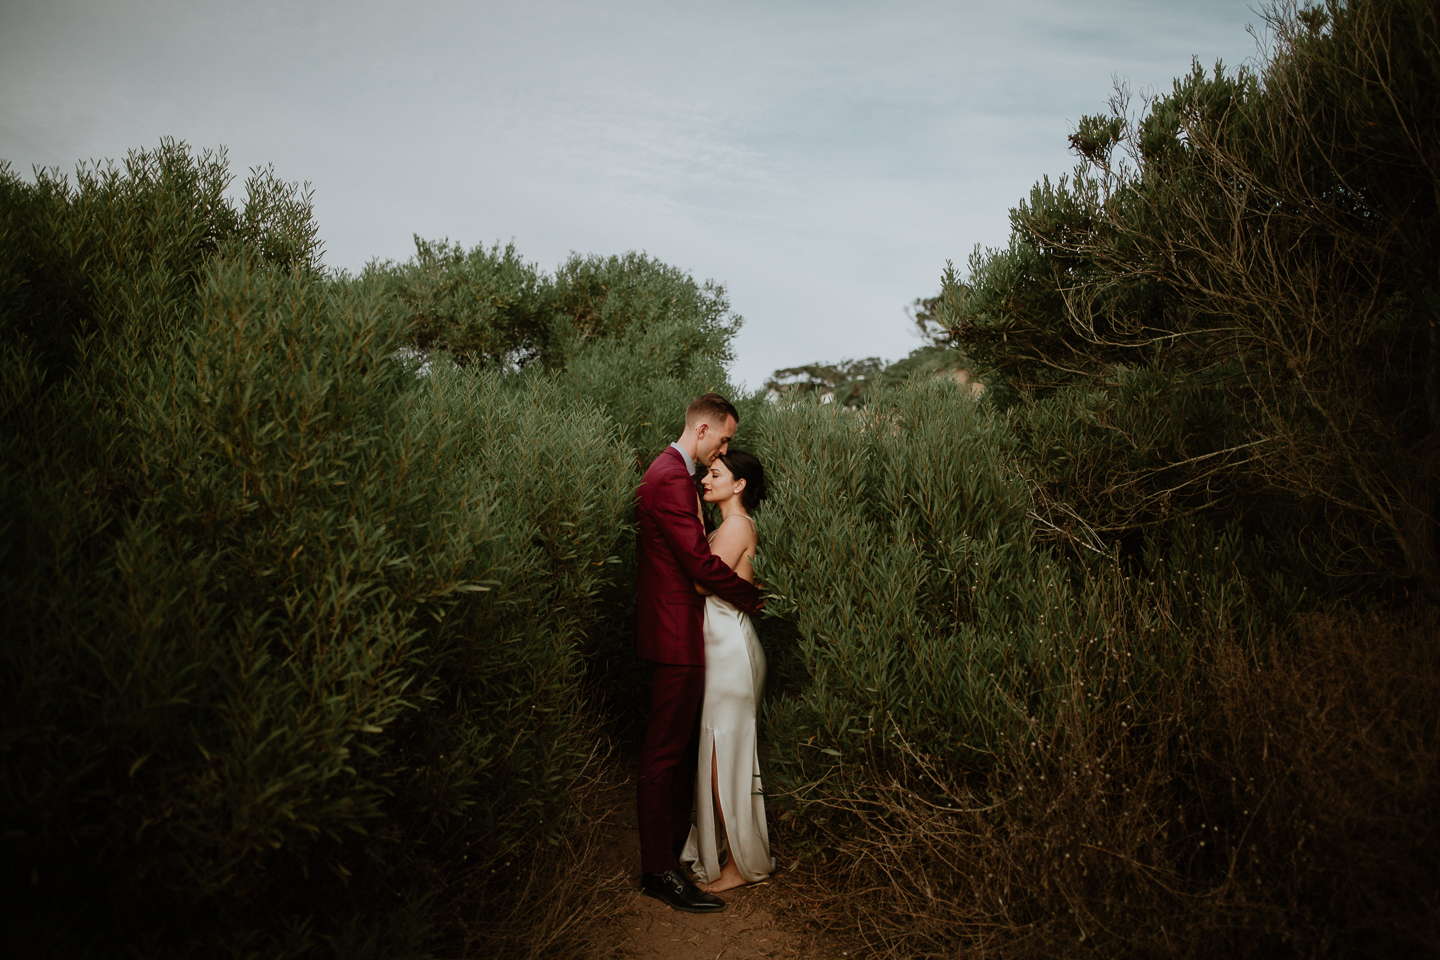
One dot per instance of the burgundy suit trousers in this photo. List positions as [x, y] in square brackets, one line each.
[666, 782]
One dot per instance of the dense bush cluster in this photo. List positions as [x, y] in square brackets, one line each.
[984, 745]
[319, 587]
[633, 336]
[900, 548]
[1232, 304]
[1076, 668]
[597, 323]
[288, 626]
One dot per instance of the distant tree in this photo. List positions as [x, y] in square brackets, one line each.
[844, 382]
[923, 313]
[934, 360]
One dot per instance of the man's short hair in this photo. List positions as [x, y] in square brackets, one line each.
[711, 408]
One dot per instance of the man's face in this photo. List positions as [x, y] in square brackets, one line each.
[711, 441]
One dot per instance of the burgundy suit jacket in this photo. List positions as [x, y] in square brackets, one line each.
[672, 556]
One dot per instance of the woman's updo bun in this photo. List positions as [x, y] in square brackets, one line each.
[744, 465]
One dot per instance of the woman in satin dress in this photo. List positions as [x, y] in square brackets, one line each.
[729, 846]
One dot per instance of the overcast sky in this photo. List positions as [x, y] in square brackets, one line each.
[821, 159]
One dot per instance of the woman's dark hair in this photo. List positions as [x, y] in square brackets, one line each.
[746, 466]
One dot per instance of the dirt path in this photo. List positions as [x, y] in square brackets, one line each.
[648, 930]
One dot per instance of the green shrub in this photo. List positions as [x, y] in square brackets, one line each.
[637, 337]
[895, 541]
[1069, 671]
[979, 743]
[1271, 799]
[489, 307]
[899, 545]
[486, 306]
[1255, 250]
[285, 621]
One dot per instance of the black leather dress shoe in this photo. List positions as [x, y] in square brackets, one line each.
[674, 888]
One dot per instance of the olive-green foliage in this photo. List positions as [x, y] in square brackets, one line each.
[621, 296]
[281, 616]
[489, 307]
[548, 479]
[895, 540]
[1259, 245]
[485, 306]
[898, 544]
[634, 336]
[647, 379]
[844, 382]
[1255, 800]
[982, 743]
[638, 336]
[927, 361]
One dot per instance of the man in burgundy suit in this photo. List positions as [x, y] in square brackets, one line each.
[673, 556]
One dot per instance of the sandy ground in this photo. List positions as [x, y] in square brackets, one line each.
[750, 926]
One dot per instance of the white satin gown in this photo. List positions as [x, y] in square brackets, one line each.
[734, 682]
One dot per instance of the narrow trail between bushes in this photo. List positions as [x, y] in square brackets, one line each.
[759, 921]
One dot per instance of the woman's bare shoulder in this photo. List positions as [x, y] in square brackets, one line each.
[739, 527]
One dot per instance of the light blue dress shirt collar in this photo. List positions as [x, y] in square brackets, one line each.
[689, 460]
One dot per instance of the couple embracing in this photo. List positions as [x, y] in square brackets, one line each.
[708, 670]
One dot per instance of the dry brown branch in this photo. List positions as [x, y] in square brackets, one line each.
[1289, 807]
[1282, 246]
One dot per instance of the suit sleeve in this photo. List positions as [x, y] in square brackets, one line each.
[674, 508]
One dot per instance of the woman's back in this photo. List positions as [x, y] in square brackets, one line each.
[734, 541]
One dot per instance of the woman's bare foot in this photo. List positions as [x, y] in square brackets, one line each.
[729, 879]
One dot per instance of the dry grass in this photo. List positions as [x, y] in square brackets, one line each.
[1286, 805]
[1334, 749]
[548, 901]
